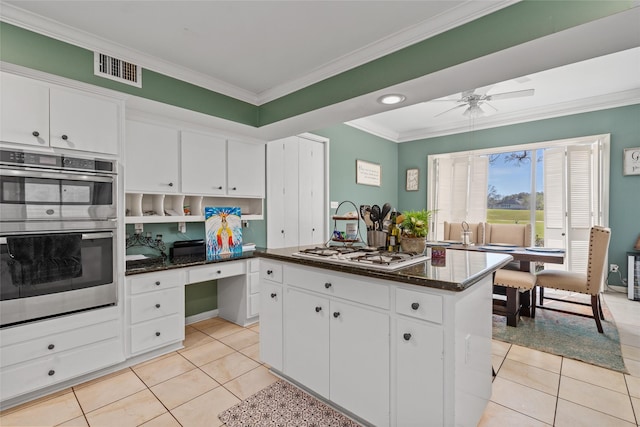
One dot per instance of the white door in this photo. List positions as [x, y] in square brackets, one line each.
[24, 110]
[419, 373]
[311, 192]
[245, 169]
[306, 340]
[360, 361]
[151, 153]
[83, 122]
[282, 193]
[203, 164]
[271, 324]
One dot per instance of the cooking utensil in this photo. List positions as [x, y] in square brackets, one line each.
[386, 208]
[364, 214]
[375, 216]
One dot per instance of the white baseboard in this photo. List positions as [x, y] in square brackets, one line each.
[201, 316]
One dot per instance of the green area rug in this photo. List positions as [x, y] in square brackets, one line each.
[566, 335]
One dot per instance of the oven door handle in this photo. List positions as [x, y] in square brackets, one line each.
[85, 236]
[31, 173]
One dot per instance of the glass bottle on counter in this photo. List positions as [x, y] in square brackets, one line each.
[393, 233]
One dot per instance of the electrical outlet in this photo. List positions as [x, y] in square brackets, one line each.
[613, 268]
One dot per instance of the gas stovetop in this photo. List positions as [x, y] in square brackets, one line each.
[362, 257]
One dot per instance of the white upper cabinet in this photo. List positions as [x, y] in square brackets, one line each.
[245, 169]
[24, 111]
[203, 161]
[40, 114]
[151, 155]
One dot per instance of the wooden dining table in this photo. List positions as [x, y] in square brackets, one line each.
[516, 301]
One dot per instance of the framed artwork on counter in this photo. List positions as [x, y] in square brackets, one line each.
[412, 179]
[631, 161]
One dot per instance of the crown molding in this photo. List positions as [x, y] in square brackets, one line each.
[464, 13]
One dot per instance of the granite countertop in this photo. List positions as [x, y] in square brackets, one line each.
[456, 272]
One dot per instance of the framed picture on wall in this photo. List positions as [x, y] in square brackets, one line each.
[412, 179]
[368, 173]
[631, 161]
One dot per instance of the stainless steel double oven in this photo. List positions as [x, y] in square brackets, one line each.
[57, 235]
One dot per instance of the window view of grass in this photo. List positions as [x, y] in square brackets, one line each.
[513, 216]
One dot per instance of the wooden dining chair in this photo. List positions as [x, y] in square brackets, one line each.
[453, 231]
[585, 283]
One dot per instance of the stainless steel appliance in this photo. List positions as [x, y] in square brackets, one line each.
[58, 235]
[364, 257]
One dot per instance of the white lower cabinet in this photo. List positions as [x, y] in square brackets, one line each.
[43, 354]
[239, 295]
[340, 350]
[155, 310]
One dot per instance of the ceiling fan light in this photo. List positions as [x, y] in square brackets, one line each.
[391, 99]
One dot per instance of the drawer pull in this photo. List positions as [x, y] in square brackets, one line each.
[269, 272]
[406, 337]
[35, 133]
[327, 285]
[157, 305]
[318, 309]
[51, 373]
[65, 137]
[219, 272]
[273, 295]
[157, 334]
[336, 314]
[158, 283]
[51, 346]
[414, 306]
[219, 187]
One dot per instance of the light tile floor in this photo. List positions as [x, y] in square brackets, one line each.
[220, 366]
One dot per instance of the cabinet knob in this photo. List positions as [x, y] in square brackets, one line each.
[336, 314]
[406, 336]
[157, 305]
[273, 295]
[158, 283]
[282, 231]
[35, 133]
[269, 272]
[327, 285]
[171, 184]
[234, 188]
[219, 272]
[51, 346]
[414, 306]
[318, 309]
[157, 334]
[313, 229]
[220, 187]
[65, 137]
[51, 373]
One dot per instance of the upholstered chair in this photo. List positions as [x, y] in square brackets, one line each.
[585, 283]
[515, 234]
[517, 285]
[453, 231]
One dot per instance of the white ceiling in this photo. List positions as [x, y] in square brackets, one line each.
[258, 51]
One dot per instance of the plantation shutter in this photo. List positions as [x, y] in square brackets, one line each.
[580, 205]
[478, 189]
[442, 197]
[555, 209]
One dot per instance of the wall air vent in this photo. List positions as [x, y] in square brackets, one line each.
[116, 69]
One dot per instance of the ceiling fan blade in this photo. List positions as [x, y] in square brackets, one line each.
[473, 111]
[450, 109]
[508, 95]
[486, 103]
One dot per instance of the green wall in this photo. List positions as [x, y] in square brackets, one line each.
[622, 123]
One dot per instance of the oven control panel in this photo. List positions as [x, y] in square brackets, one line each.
[54, 161]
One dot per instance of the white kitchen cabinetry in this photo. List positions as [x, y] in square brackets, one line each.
[171, 171]
[155, 310]
[333, 346]
[44, 115]
[296, 191]
[271, 320]
[239, 296]
[43, 354]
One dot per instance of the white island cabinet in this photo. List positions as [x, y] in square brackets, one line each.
[388, 352]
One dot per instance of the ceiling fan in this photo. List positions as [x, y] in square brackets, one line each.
[473, 100]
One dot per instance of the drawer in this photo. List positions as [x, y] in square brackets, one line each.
[216, 271]
[156, 304]
[45, 371]
[253, 305]
[157, 333]
[253, 281]
[419, 305]
[155, 281]
[360, 289]
[271, 271]
[56, 343]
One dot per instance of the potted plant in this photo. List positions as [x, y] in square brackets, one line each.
[415, 227]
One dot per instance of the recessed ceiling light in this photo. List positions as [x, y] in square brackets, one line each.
[390, 99]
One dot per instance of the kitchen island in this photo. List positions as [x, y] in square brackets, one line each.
[406, 347]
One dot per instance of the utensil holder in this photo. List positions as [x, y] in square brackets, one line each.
[376, 239]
